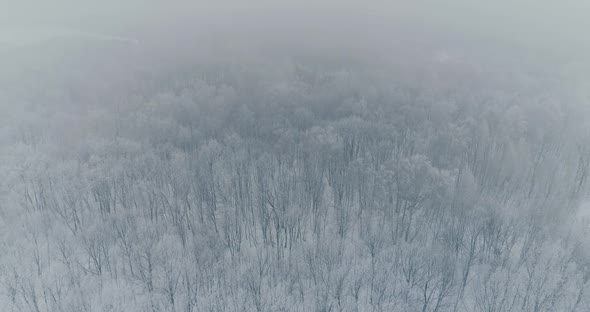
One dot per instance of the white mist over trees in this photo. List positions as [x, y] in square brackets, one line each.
[436, 174]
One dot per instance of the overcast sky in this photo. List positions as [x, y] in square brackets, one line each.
[543, 27]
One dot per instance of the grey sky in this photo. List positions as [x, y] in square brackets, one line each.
[551, 25]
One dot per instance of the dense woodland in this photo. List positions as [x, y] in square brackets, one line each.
[436, 183]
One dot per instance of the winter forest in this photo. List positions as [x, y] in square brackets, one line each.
[155, 173]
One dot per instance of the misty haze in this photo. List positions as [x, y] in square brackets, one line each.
[187, 156]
